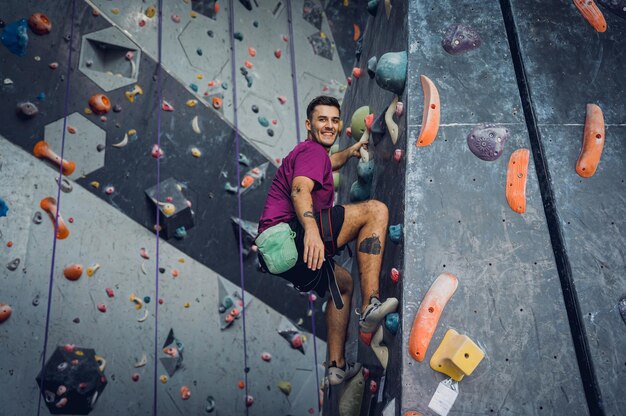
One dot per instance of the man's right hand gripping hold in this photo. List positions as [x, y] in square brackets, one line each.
[302, 195]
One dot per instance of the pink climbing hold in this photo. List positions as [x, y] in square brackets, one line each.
[349, 79]
[175, 18]
[312, 297]
[110, 292]
[142, 23]
[144, 253]
[252, 52]
[286, 38]
[69, 347]
[249, 400]
[102, 307]
[373, 386]
[366, 373]
[248, 64]
[109, 190]
[349, 131]
[167, 106]
[399, 109]
[274, 122]
[278, 53]
[282, 99]
[266, 356]
[156, 152]
[395, 274]
[296, 341]
[397, 155]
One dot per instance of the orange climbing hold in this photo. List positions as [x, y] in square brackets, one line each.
[356, 73]
[516, 180]
[248, 64]
[357, 32]
[429, 312]
[432, 115]
[252, 52]
[73, 271]
[49, 205]
[592, 14]
[593, 142]
[43, 150]
[100, 104]
[5, 312]
[185, 393]
[217, 103]
[247, 181]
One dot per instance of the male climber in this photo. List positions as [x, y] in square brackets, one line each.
[299, 209]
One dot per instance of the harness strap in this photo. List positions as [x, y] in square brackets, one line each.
[333, 286]
[326, 227]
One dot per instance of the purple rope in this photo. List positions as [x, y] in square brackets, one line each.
[231, 15]
[292, 52]
[56, 217]
[158, 198]
[294, 81]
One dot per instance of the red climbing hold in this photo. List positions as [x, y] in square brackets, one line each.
[395, 275]
[278, 53]
[356, 73]
[102, 307]
[366, 337]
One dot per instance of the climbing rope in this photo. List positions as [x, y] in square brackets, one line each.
[158, 198]
[56, 217]
[296, 101]
[231, 24]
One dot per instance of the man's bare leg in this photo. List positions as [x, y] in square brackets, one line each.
[367, 222]
[337, 320]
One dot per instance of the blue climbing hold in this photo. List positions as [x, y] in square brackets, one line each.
[391, 72]
[4, 208]
[194, 87]
[395, 233]
[361, 189]
[41, 96]
[181, 232]
[15, 37]
[263, 121]
[392, 322]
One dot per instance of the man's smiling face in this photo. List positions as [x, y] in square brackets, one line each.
[324, 125]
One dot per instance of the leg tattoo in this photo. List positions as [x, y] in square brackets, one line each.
[370, 245]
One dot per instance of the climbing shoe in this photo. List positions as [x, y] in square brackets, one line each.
[375, 312]
[337, 375]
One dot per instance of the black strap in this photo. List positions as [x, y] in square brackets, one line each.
[335, 294]
[326, 227]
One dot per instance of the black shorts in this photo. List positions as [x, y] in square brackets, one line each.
[303, 278]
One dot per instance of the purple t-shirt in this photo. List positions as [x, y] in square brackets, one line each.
[308, 159]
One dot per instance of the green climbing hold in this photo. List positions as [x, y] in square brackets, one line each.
[357, 125]
[337, 180]
[194, 87]
[391, 72]
[285, 387]
[263, 121]
[361, 189]
[224, 85]
[227, 302]
[238, 36]
[249, 80]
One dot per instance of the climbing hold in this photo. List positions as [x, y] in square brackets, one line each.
[356, 72]
[397, 155]
[349, 80]
[115, 11]
[193, 87]
[487, 141]
[13, 264]
[73, 272]
[109, 190]
[266, 356]
[618, 7]
[195, 125]
[621, 306]
[263, 121]
[431, 115]
[175, 18]
[374, 386]
[95, 184]
[150, 12]
[49, 205]
[144, 253]
[99, 104]
[91, 270]
[592, 14]
[388, 8]
[399, 109]
[278, 53]
[357, 32]
[252, 52]
[516, 180]
[392, 127]
[195, 152]
[165, 106]
[372, 7]
[168, 209]
[110, 292]
[270, 132]
[380, 350]
[391, 71]
[37, 217]
[255, 109]
[282, 99]
[238, 36]
[123, 143]
[157, 152]
[357, 123]
[15, 37]
[4, 208]
[163, 378]
[130, 95]
[102, 307]
[39, 23]
[392, 322]
[395, 233]
[27, 110]
[191, 103]
[217, 102]
[429, 312]
[371, 66]
[284, 387]
[361, 188]
[249, 400]
[395, 275]
[135, 377]
[71, 129]
[185, 393]
[593, 142]
[459, 39]
[5, 312]
[457, 356]
[294, 338]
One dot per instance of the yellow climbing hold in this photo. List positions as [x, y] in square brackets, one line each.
[79, 353]
[87, 110]
[115, 10]
[95, 184]
[132, 132]
[195, 152]
[168, 208]
[91, 270]
[457, 355]
[191, 103]
[151, 11]
[163, 379]
[193, 14]
[181, 260]
[200, 76]
[322, 35]
[186, 305]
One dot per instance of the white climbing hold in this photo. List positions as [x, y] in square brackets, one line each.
[195, 126]
[392, 127]
[123, 143]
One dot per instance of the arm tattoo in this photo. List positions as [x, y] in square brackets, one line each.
[308, 214]
[370, 245]
[295, 191]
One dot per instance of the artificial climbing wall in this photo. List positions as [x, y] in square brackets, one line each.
[538, 291]
[107, 202]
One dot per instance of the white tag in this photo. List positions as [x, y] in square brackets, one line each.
[444, 397]
[381, 387]
[390, 409]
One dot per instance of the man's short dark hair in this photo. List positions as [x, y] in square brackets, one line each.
[321, 100]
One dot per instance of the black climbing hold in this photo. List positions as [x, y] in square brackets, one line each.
[221, 309]
[255, 23]
[358, 49]
[255, 109]
[247, 369]
[13, 264]
[247, 4]
[161, 270]
[100, 147]
[199, 52]
[27, 110]
[487, 141]
[270, 132]
[76, 320]
[67, 37]
[459, 39]
[37, 217]
[372, 7]
[371, 66]
[117, 108]
[210, 33]
[622, 307]
[379, 128]
[36, 301]
[238, 36]
[243, 70]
